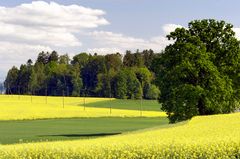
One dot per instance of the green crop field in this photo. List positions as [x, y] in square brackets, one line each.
[68, 129]
[145, 105]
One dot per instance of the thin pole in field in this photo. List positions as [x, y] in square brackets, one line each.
[63, 98]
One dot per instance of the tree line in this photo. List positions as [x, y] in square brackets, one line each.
[112, 75]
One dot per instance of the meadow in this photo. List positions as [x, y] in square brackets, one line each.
[73, 128]
[87, 128]
[127, 104]
[41, 118]
[14, 107]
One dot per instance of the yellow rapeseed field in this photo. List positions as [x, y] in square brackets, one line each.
[37, 107]
[202, 137]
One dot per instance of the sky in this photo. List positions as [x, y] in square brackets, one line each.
[104, 26]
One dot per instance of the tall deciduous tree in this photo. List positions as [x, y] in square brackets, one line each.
[198, 74]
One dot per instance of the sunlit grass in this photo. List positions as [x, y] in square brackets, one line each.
[14, 107]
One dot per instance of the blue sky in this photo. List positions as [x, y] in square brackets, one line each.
[117, 25]
[133, 17]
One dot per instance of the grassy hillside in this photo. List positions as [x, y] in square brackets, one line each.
[36, 107]
[203, 137]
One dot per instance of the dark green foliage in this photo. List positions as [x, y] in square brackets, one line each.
[197, 74]
[103, 88]
[2, 88]
[148, 57]
[81, 59]
[37, 78]
[133, 59]
[151, 91]
[53, 57]
[11, 81]
[43, 58]
[76, 80]
[84, 75]
[113, 61]
[90, 72]
[64, 59]
[134, 88]
[24, 78]
[120, 85]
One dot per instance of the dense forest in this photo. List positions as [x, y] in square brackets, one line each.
[113, 75]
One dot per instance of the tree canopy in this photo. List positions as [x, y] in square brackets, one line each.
[199, 73]
[85, 75]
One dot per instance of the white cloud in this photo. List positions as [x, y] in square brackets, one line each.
[17, 52]
[103, 50]
[45, 23]
[40, 13]
[13, 54]
[122, 42]
[237, 32]
[51, 36]
[168, 28]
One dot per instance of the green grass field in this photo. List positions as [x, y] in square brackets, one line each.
[127, 104]
[79, 118]
[69, 129]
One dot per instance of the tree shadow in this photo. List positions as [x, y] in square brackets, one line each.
[81, 135]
